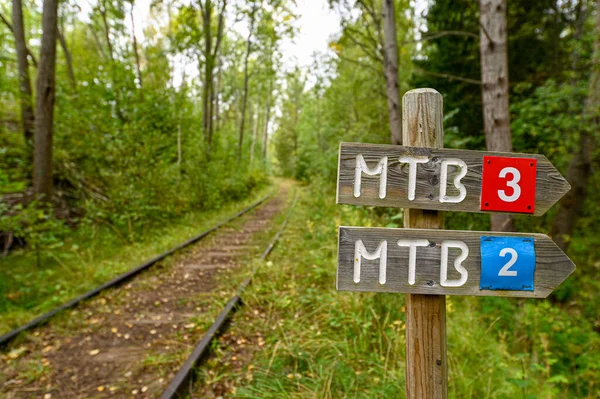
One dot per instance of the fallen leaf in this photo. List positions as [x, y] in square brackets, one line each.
[47, 349]
[94, 352]
[15, 353]
[100, 388]
[144, 389]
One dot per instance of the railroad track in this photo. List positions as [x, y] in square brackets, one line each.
[9, 336]
[180, 384]
[62, 351]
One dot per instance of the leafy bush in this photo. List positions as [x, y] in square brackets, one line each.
[35, 224]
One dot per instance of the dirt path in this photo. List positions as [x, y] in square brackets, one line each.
[129, 342]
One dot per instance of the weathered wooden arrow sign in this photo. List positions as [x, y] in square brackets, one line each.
[447, 179]
[447, 262]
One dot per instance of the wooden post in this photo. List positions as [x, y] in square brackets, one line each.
[426, 371]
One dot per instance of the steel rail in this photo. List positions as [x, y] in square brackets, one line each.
[9, 336]
[183, 378]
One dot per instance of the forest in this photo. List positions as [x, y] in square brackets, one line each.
[123, 134]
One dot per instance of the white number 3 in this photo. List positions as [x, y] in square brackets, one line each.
[505, 271]
[512, 184]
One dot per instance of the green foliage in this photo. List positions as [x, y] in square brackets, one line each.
[328, 344]
[91, 255]
[130, 153]
[498, 348]
[35, 224]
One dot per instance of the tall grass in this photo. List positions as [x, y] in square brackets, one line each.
[320, 343]
[90, 256]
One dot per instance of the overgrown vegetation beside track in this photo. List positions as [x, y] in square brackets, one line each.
[91, 256]
[298, 337]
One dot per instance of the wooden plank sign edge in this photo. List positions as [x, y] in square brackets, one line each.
[552, 265]
[385, 180]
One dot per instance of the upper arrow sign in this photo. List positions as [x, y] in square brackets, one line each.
[447, 262]
[447, 179]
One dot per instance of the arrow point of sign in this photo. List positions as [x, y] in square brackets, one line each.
[562, 266]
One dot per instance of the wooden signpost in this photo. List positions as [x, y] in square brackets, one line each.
[447, 180]
[450, 262]
[428, 264]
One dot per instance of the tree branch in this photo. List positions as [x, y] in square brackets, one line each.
[8, 24]
[362, 64]
[220, 29]
[367, 36]
[201, 9]
[369, 52]
[10, 28]
[448, 76]
[68, 59]
[443, 33]
[486, 33]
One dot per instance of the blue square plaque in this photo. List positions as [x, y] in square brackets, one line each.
[507, 263]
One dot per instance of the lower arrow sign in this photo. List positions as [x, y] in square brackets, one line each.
[449, 262]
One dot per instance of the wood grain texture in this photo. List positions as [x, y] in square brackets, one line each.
[552, 265]
[426, 364]
[427, 372]
[550, 184]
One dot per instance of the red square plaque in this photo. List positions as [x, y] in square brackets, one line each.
[508, 184]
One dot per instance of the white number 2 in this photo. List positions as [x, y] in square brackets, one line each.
[512, 184]
[505, 271]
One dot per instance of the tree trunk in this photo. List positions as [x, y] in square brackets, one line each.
[219, 87]
[106, 30]
[206, 88]
[103, 13]
[211, 54]
[45, 90]
[246, 79]
[179, 119]
[267, 118]
[136, 53]
[211, 112]
[68, 59]
[580, 167]
[254, 134]
[25, 93]
[10, 28]
[494, 87]
[391, 70]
